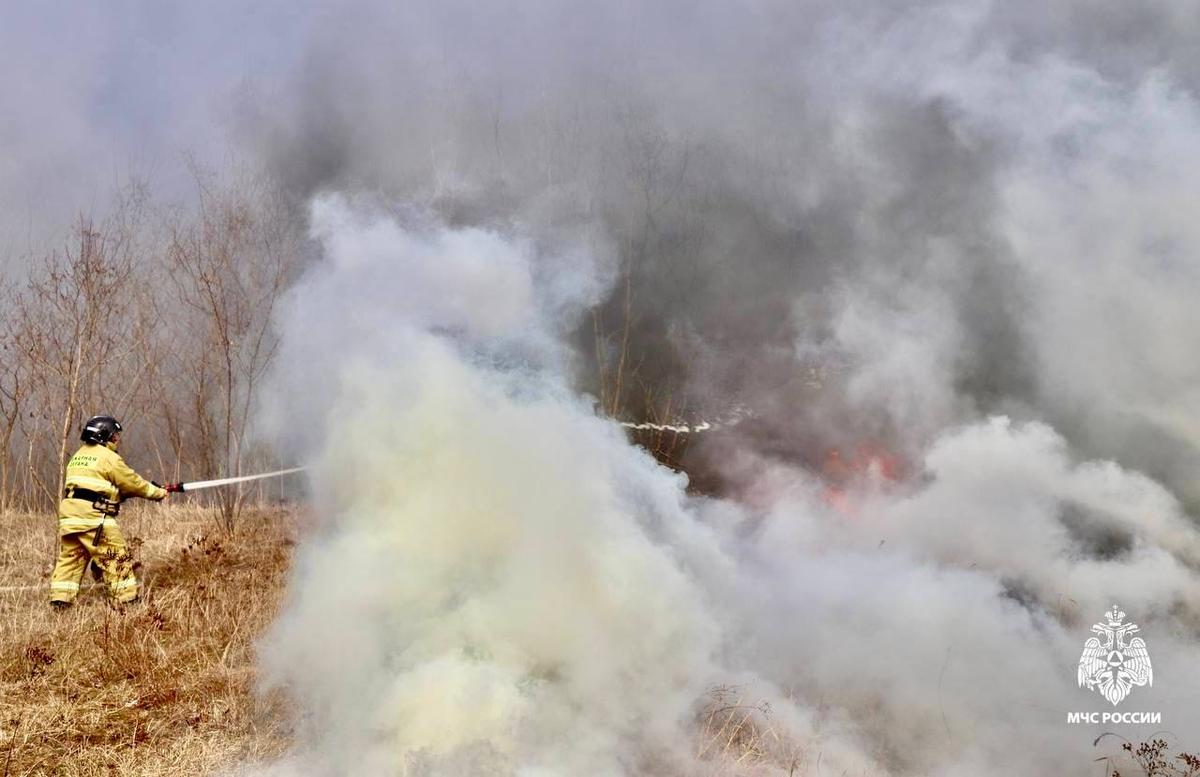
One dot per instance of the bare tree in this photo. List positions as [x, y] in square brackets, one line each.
[13, 388]
[171, 327]
[228, 266]
[654, 171]
[76, 332]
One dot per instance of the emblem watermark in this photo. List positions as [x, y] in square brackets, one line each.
[1113, 663]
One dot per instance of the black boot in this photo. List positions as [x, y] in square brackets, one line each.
[60, 605]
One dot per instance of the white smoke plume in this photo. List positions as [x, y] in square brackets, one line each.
[500, 584]
[979, 230]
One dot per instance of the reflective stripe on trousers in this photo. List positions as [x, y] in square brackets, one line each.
[103, 545]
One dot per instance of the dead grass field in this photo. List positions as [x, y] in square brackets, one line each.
[164, 687]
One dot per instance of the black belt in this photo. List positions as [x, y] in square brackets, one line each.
[99, 501]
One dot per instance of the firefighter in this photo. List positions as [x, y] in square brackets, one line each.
[96, 481]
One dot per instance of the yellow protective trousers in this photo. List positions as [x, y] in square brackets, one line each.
[105, 546]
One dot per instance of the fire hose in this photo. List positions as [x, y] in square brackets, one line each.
[195, 485]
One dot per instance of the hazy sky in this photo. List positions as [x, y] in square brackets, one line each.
[96, 92]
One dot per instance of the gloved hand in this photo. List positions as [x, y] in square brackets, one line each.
[169, 488]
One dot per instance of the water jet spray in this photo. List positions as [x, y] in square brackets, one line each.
[198, 485]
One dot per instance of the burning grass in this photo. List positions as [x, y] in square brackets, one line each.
[162, 688]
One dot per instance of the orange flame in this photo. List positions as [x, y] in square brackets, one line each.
[870, 461]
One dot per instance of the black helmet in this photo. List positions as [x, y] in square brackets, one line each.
[99, 429]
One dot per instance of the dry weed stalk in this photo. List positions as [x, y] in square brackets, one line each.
[1152, 758]
[741, 738]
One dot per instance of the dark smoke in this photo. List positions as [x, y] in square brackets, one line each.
[759, 173]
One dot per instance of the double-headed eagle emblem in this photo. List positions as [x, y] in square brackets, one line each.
[1111, 662]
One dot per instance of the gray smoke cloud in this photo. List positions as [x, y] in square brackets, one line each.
[955, 231]
[503, 584]
[789, 183]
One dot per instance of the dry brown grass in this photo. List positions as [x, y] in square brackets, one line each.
[162, 688]
[165, 688]
[740, 737]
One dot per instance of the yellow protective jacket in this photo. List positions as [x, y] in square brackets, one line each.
[101, 469]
